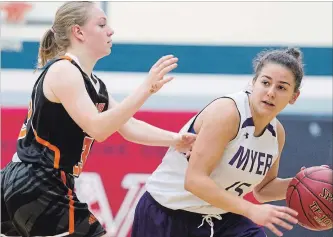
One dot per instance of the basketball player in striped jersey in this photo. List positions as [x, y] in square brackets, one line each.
[237, 151]
[69, 109]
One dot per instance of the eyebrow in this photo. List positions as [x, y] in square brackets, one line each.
[282, 82]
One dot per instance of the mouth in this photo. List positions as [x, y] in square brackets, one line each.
[268, 103]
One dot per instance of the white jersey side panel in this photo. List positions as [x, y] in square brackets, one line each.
[244, 164]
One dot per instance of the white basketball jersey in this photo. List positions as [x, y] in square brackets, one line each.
[244, 164]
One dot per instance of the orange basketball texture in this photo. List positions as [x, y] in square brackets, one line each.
[310, 194]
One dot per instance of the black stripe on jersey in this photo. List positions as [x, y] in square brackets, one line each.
[249, 123]
[191, 128]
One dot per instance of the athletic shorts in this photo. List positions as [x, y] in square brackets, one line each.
[39, 201]
[154, 220]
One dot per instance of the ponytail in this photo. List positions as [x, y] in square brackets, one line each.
[56, 40]
[48, 48]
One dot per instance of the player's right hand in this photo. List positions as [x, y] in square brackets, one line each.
[163, 66]
[270, 215]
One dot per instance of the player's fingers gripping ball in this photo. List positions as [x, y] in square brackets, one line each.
[310, 193]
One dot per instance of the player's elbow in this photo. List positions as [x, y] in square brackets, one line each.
[98, 130]
[100, 139]
[188, 184]
[191, 181]
[98, 134]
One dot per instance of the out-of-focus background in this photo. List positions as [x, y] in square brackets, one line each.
[215, 43]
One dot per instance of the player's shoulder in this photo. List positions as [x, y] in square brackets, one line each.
[281, 133]
[221, 115]
[279, 127]
[63, 66]
[63, 71]
[223, 107]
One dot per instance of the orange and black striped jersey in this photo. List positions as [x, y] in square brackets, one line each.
[49, 136]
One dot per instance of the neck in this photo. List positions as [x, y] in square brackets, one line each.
[86, 62]
[260, 121]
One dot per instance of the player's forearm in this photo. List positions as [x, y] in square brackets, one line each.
[143, 133]
[110, 121]
[273, 191]
[206, 189]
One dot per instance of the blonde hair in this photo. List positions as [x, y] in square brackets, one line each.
[56, 39]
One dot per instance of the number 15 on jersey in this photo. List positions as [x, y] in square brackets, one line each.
[238, 187]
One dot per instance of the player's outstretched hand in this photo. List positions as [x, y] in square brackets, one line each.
[269, 216]
[184, 142]
[156, 78]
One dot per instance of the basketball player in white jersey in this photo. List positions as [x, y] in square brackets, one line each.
[238, 147]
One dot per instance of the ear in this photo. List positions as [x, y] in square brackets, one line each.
[77, 32]
[294, 97]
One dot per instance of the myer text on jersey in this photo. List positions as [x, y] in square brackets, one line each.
[248, 158]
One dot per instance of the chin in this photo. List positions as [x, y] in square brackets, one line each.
[108, 52]
[267, 113]
[105, 53]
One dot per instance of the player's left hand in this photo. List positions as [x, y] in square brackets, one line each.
[184, 142]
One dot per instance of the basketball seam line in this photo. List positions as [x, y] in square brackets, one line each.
[317, 198]
[322, 181]
[305, 173]
[305, 214]
[291, 194]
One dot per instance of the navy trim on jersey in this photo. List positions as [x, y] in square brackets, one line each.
[191, 128]
[249, 123]
[271, 129]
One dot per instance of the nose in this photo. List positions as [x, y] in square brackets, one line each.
[271, 92]
[110, 32]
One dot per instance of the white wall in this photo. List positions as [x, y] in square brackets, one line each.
[301, 23]
[221, 23]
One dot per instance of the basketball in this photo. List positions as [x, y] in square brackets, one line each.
[310, 194]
